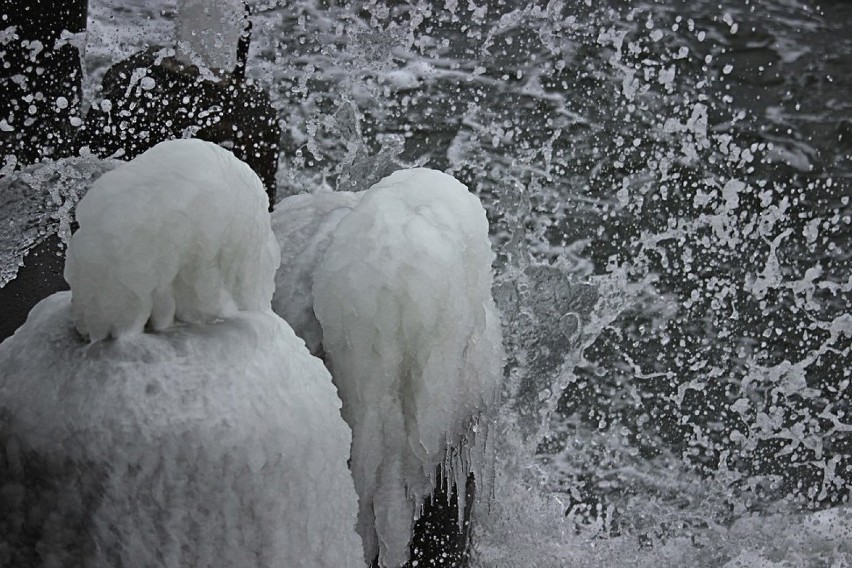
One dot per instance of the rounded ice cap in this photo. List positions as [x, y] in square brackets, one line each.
[180, 233]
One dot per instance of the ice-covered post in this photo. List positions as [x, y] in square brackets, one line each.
[194, 428]
[194, 267]
[402, 294]
[208, 32]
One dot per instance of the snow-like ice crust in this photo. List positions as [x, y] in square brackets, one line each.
[209, 254]
[207, 32]
[203, 445]
[304, 225]
[412, 336]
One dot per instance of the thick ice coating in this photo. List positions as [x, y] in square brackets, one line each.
[181, 233]
[207, 32]
[411, 333]
[218, 442]
[304, 225]
[203, 445]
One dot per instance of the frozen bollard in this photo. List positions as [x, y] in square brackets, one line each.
[160, 413]
[393, 287]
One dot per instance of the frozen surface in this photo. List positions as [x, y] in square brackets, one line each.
[403, 294]
[206, 255]
[304, 225]
[204, 445]
[207, 32]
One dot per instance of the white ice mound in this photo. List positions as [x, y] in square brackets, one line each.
[181, 233]
[202, 445]
[304, 225]
[412, 336]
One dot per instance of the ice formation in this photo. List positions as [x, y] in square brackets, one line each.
[205, 445]
[402, 292]
[304, 225]
[208, 32]
[207, 255]
[210, 443]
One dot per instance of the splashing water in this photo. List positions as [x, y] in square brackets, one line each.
[668, 191]
[38, 201]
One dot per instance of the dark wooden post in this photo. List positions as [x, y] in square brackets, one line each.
[40, 94]
[40, 77]
[180, 100]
